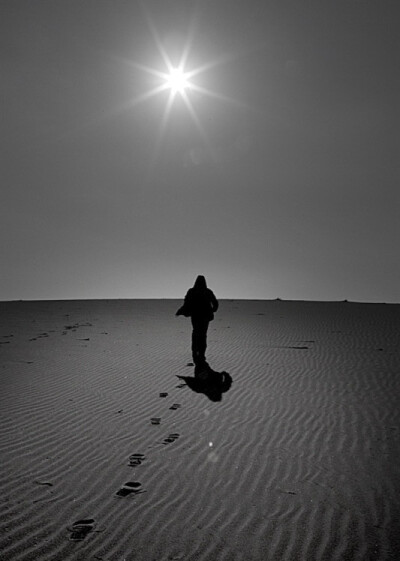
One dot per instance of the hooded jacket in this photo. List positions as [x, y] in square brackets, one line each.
[200, 302]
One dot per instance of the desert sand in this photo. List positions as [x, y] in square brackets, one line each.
[111, 450]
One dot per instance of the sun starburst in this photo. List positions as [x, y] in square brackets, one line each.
[179, 80]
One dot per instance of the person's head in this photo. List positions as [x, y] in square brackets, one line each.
[200, 283]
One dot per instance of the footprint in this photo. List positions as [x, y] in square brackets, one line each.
[81, 528]
[175, 406]
[171, 438]
[136, 459]
[129, 488]
[163, 394]
[155, 420]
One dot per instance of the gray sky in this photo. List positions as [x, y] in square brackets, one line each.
[289, 188]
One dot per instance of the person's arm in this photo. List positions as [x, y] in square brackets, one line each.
[185, 310]
[214, 302]
[187, 302]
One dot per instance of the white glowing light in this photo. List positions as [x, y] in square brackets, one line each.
[210, 444]
[177, 80]
[180, 81]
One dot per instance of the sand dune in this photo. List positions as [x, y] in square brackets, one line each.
[111, 450]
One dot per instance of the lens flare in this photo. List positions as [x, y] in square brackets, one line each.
[177, 80]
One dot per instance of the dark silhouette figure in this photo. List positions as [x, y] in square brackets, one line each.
[208, 382]
[200, 305]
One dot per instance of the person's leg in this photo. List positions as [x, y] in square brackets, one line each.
[199, 339]
[202, 342]
[195, 340]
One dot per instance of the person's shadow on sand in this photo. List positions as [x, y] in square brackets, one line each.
[209, 382]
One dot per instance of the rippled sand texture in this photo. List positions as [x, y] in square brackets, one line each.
[107, 455]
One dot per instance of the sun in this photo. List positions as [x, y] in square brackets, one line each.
[177, 81]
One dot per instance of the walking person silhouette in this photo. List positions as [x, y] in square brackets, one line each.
[200, 304]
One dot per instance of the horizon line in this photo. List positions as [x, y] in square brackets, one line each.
[181, 298]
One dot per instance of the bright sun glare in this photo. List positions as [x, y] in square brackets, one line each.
[177, 80]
